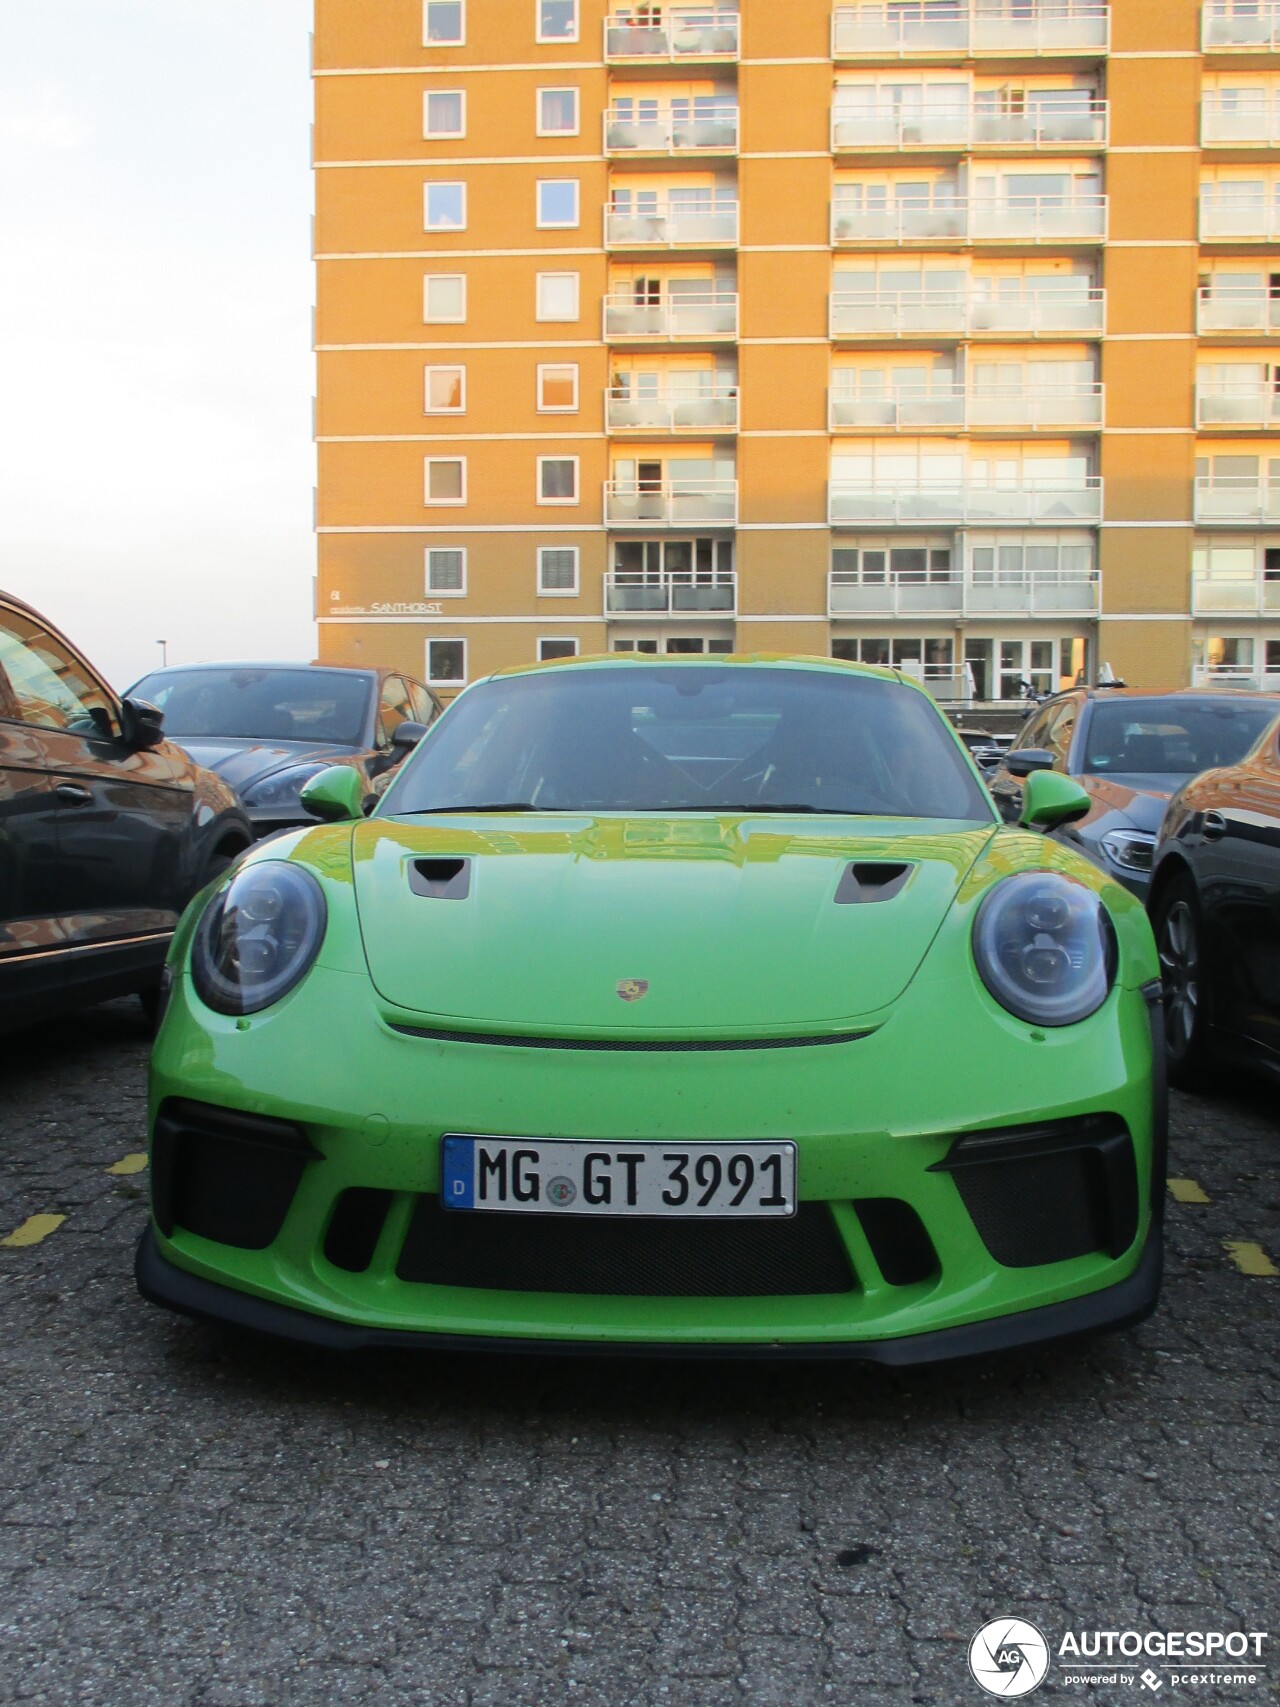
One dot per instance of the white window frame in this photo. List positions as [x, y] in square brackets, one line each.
[559, 89]
[556, 224]
[545, 592]
[427, 464]
[436, 135]
[429, 319]
[560, 319]
[443, 592]
[459, 41]
[557, 408]
[562, 503]
[443, 183]
[555, 40]
[445, 681]
[558, 640]
[444, 367]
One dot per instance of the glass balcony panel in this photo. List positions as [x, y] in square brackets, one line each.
[1227, 310]
[1038, 219]
[668, 133]
[1248, 219]
[899, 29]
[1053, 26]
[666, 226]
[1045, 406]
[637, 595]
[1254, 121]
[1228, 24]
[1231, 498]
[1219, 405]
[892, 127]
[710, 33]
[1226, 593]
[712, 503]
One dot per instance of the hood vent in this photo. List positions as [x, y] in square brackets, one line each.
[441, 879]
[872, 880]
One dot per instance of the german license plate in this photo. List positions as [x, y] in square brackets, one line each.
[572, 1177]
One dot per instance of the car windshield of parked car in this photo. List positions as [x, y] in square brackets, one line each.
[1173, 737]
[692, 738]
[330, 706]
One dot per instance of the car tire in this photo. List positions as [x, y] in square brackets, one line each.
[1179, 931]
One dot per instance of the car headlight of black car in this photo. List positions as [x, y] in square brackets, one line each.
[283, 788]
[1045, 948]
[1130, 849]
[257, 938]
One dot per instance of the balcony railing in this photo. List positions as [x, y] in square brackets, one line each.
[1246, 25]
[1038, 407]
[672, 503]
[1244, 676]
[916, 409]
[890, 312]
[1228, 592]
[940, 28]
[948, 407]
[704, 130]
[857, 503]
[671, 225]
[714, 410]
[1237, 499]
[1029, 593]
[1228, 308]
[1037, 219]
[1238, 219]
[1044, 125]
[633, 594]
[1237, 405]
[1252, 123]
[1007, 219]
[710, 315]
[679, 35]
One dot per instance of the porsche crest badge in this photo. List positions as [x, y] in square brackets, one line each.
[632, 989]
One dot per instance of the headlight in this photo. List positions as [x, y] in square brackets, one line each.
[257, 937]
[283, 788]
[1045, 948]
[1130, 849]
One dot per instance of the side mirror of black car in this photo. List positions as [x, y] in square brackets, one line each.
[1023, 760]
[406, 736]
[141, 725]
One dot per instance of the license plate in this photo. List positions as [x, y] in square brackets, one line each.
[573, 1177]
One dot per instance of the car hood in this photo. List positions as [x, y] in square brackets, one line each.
[731, 923]
[1138, 799]
[243, 763]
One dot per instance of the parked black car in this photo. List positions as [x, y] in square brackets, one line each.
[1129, 750]
[1215, 906]
[267, 729]
[106, 829]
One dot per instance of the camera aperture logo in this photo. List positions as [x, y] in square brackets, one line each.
[1008, 1657]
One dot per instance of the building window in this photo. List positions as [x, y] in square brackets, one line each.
[557, 112]
[558, 570]
[549, 649]
[446, 663]
[444, 298]
[446, 391]
[446, 480]
[557, 204]
[444, 113]
[446, 570]
[557, 296]
[557, 20]
[558, 389]
[557, 480]
[445, 207]
[444, 23]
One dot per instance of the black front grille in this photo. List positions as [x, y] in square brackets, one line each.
[354, 1228]
[616, 1257]
[629, 1045]
[903, 1251]
[224, 1174]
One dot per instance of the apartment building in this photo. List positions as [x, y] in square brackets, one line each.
[940, 333]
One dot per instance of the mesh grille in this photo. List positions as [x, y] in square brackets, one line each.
[225, 1175]
[1038, 1209]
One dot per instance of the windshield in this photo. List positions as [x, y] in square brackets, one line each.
[692, 738]
[261, 705]
[1173, 737]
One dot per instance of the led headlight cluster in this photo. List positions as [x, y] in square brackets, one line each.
[283, 788]
[1131, 849]
[1045, 948]
[257, 938]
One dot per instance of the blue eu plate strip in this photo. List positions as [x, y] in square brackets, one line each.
[458, 1174]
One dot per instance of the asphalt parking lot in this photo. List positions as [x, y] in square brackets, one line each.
[188, 1518]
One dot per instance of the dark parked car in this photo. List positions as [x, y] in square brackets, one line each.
[1215, 905]
[269, 728]
[106, 829]
[1129, 750]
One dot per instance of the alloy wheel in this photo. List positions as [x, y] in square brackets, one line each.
[1180, 971]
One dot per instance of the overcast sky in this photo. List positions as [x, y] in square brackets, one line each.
[156, 465]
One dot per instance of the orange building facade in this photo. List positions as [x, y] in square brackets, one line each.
[936, 333]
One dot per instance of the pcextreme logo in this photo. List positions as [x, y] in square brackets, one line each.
[1011, 1657]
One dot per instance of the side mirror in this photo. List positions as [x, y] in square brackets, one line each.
[1022, 761]
[335, 795]
[141, 724]
[1051, 800]
[405, 737]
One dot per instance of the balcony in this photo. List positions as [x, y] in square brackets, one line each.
[890, 312]
[1250, 404]
[947, 407]
[1069, 122]
[1251, 27]
[680, 36]
[1226, 592]
[709, 127]
[1038, 219]
[937, 405]
[711, 410]
[671, 503]
[1243, 676]
[1237, 123]
[1236, 500]
[671, 225]
[945, 28]
[1018, 220]
[1056, 502]
[1038, 409]
[709, 316]
[635, 594]
[1238, 219]
[1227, 308]
[1026, 594]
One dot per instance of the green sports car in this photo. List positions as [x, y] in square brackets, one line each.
[684, 1006]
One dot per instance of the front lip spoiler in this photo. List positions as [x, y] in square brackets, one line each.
[1123, 1305]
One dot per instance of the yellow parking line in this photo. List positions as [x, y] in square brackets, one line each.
[133, 1163]
[33, 1229]
[1250, 1259]
[1186, 1191]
